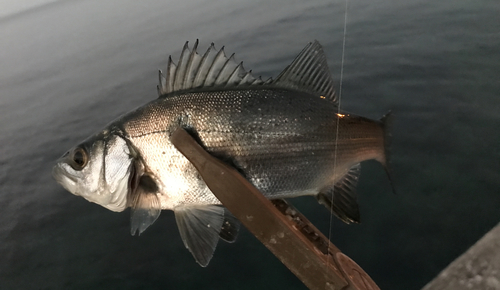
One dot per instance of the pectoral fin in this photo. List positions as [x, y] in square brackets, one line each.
[200, 228]
[146, 207]
[341, 198]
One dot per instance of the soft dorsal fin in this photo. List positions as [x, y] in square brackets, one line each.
[309, 72]
[341, 198]
[213, 69]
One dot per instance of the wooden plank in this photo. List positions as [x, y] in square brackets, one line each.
[478, 268]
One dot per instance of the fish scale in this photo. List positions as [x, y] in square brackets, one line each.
[261, 140]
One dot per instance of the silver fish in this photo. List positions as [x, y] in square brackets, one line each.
[286, 136]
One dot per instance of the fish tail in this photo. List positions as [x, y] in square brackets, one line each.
[387, 120]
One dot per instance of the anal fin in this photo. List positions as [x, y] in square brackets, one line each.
[341, 199]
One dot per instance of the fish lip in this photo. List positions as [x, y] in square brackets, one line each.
[58, 173]
[63, 177]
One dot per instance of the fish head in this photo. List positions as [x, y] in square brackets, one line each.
[100, 169]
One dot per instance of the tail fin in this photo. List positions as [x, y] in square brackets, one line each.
[387, 126]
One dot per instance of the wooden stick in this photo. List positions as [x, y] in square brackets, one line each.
[279, 226]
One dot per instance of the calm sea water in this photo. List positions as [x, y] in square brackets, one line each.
[69, 67]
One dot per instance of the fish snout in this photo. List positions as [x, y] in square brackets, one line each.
[63, 177]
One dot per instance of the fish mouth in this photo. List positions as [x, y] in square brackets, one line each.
[64, 178]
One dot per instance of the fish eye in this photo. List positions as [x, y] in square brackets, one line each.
[79, 159]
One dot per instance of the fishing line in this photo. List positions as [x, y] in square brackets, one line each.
[338, 120]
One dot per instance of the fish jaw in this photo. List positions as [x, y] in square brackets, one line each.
[105, 179]
[62, 175]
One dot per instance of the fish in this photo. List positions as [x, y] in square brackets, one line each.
[286, 136]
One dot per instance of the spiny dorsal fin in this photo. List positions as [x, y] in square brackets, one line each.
[213, 69]
[309, 72]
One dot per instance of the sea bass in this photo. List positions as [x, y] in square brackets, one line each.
[286, 136]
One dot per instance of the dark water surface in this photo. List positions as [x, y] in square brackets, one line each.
[70, 67]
